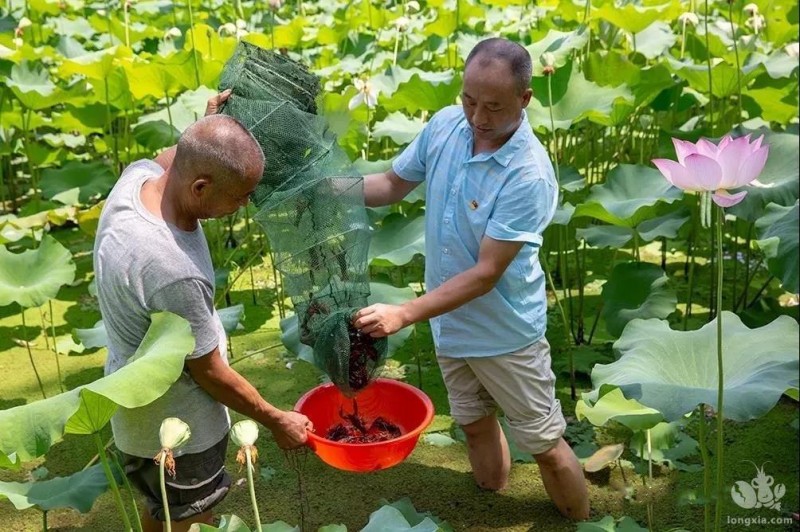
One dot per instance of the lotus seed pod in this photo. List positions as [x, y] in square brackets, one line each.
[244, 433]
[173, 433]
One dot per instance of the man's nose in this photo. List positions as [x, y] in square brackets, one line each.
[479, 116]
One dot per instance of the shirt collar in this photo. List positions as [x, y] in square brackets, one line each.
[506, 152]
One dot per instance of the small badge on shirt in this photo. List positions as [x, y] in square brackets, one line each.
[473, 205]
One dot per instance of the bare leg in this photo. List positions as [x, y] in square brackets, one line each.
[488, 453]
[151, 525]
[563, 479]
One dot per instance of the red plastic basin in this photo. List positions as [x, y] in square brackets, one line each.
[402, 404]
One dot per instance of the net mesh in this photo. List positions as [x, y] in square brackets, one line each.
[310, 203]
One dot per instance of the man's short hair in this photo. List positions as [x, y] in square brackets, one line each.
[515, 55]
[220, 147]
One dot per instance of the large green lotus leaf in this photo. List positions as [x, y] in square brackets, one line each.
[655, 40]
[611, 69]
[560, 44]
[609, 524]
[778, 183]
[605, 236]
[34, 276]
[91, 179]
[633, 18]
[778, 65]
[97, 336]
[30, 430]
[563, 214]
[612, 405]
[778, 237]
[416, 94]
[398, 127]
[185, 109]
[155, 135]
[231, 318]
[667, 225]
[574, 99]
[77, 491]
[415, 517]
[674, 371]
[398, 240]
[388, 517]
[379, 293]
[151, 80]
[629, 196]
[94, 412]
[448, 20]
[773, 104]
[96, 65]
[388, 82]
[723, 76]
[636, 290]
[209, 43]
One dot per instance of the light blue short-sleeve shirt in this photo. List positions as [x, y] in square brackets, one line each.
[510, 194]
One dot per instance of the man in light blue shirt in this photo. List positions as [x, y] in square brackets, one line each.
[490, 195]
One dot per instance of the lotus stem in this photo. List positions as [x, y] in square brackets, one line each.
[546, 268]
[127, 484]
[126, 15]
[708, 62]
[720, 218]
[194, 44]
[162, 458]
[738, 66]
[553, 126]
[44, 520]
[30, 354]
[252, 488]
[112, 481]
[702, 438]
[55, 345]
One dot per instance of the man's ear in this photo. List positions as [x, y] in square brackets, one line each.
[200, 185]
[526, 97]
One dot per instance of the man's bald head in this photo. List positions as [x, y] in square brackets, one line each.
[219, 148]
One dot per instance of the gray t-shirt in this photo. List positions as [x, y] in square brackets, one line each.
[144, 265]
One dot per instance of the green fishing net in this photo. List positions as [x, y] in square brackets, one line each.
[310, 202]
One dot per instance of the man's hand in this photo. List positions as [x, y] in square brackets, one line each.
[291, 430]
[216, 101]
[380, 320]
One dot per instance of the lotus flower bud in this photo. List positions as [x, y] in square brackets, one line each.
[548, 61]
[227, 28]
[24, 22]
[689, 18]
[173, 433]
[412, 6]
[275, 4]
[244, 433]
[401, 23]
[172, 33]
[751, 9]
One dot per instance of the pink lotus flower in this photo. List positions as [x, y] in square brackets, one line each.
[706, 167]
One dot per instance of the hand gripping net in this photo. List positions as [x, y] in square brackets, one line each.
[310, 202]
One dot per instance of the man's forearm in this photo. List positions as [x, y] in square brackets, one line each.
[377, 190]
[461, 289]
[235, 392]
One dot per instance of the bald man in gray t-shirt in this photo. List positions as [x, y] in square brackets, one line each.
[151, 255]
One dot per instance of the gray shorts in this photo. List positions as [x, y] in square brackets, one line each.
[521, 383]
[200, 482]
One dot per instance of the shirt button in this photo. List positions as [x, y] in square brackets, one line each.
[447, 220]
[445, 251]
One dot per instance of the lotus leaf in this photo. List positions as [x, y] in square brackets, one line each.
[574, 99]
[398, 240]
[636, 290]
[77, 491]
[778, 237]
[91, 179]
[398, 127]
[629, 196]
[674, 371]
[30, 430]
[609, 524]
[32, 277]
[612, 405]
[778, 183]
[634, 18]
